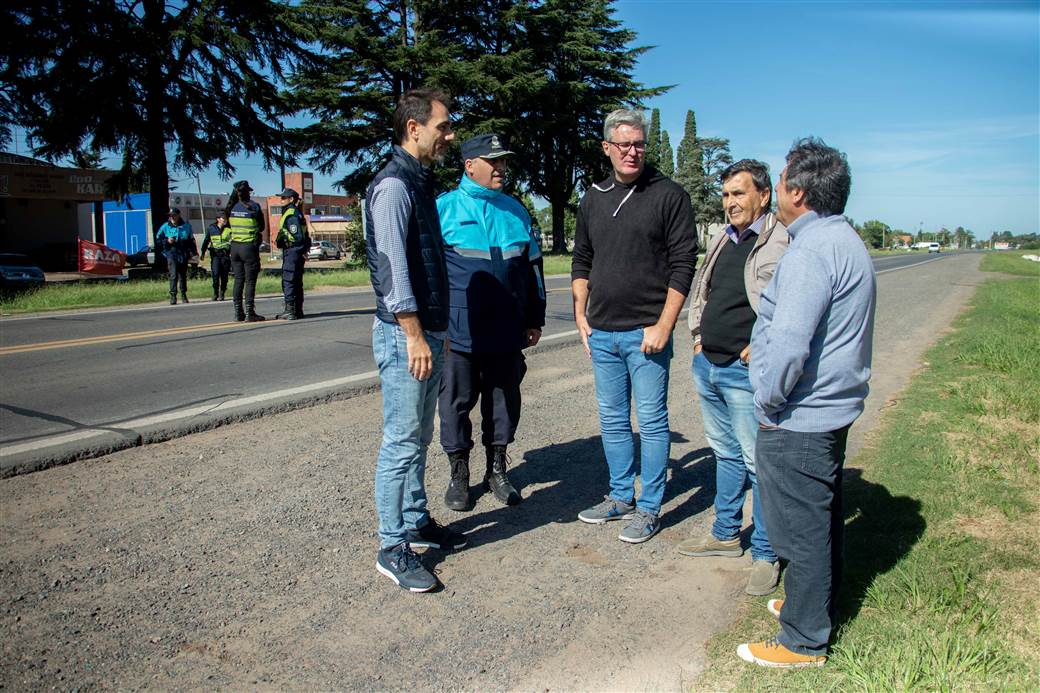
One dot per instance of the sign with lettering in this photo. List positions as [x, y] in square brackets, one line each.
[95, 258]
[53, 183]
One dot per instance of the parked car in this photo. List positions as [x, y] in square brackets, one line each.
[934, 248]
[19, 272]
[140, 258]
[323, 250]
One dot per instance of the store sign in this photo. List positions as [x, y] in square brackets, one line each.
[42, 182]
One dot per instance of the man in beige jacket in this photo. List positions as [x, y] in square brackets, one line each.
[738, 265]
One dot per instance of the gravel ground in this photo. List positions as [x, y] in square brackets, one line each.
[243, 557]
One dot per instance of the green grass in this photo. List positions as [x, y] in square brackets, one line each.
[106, 293]
[942, 553]
[1011, 262]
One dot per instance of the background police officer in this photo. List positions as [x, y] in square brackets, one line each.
[246, 221]
[294, 241]
[175, 240]
[218, 241]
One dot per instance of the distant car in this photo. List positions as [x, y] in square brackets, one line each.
[141, 257]
[934, 248]
[19, 272]
[323, 250]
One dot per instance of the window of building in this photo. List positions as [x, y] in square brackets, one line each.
[276, 210]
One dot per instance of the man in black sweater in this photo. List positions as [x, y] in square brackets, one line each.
[635, 249]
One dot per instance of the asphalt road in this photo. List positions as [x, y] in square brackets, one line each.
[79, 383]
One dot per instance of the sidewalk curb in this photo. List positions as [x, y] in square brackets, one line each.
[88, 443]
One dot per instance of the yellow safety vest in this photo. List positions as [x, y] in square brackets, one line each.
[245, 228]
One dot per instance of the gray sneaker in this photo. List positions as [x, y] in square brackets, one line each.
[764, 577]
[711, 546]
[642, 527]
[606, 511]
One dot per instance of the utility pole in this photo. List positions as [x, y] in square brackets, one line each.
[202, 208]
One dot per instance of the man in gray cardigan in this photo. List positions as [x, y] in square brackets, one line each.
[738, 265]
[810, 363]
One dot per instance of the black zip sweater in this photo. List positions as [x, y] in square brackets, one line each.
[633, 243]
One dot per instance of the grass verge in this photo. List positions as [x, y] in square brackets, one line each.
[100, 294]
[942, 552]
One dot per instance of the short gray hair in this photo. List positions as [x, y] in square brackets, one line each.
[623, 116]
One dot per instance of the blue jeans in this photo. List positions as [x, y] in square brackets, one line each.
[622, 372]
[801, 475]
[728, 409]
[408, 409]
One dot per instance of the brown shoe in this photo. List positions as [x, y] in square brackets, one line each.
[712, 547]
[771, 653]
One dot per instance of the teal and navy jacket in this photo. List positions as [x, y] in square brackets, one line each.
[183, 247]
[495, 280]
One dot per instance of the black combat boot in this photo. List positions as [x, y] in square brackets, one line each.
[173, 298]
[287, 313]
[184, 297]
[215, 296]
[252, 315]
[457, 495]
[222, 294]
[495, 479]
[239, 314]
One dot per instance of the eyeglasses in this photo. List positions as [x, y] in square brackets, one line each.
[626, 147]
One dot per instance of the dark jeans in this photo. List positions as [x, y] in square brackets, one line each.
[292, 277]
[219, 268]
[245, 264]
[178, 275]
[799, 476]
[495, 379]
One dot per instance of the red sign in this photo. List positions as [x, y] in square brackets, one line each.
[95, 258]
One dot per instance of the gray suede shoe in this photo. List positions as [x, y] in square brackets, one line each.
[764, 577]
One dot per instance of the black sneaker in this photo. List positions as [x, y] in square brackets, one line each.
[400, 564]
[433, 536]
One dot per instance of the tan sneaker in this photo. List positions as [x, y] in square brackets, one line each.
[711, 546]
[774, 606]
[771, 653]
[764, 577]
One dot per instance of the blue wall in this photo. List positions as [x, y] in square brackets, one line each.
[126, 223]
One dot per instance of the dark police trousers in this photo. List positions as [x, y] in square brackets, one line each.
[799, 477]
[495, 379]
[178, 275]
[245, 265]
[219, 268]
[292, 277]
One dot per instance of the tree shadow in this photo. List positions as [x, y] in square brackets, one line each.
[880, 529]
[579, 471]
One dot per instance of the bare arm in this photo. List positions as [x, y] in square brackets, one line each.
[420, 358]
[580, 294]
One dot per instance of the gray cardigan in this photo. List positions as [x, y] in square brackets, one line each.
[758, 270]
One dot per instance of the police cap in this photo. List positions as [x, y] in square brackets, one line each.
[288, 192]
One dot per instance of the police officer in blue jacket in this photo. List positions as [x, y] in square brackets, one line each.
[175, 240]
[295, 242]
[497, 297]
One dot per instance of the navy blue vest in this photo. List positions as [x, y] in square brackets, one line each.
[424, 247]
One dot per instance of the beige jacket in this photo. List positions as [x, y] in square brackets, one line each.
[758, 270]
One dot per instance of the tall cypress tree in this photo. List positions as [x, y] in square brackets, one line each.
[653, 140]
[689, 170]
[667, 164]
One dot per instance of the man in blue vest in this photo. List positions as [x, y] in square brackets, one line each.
[497, 310]
[218, 242]
[405, 254]
[294, 241]
[175, 240]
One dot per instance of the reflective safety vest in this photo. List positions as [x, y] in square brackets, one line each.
[219, 238]
[244, 222]
[292, 228]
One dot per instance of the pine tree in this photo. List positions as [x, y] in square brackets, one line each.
[138, 78]
[667, 165]
[689, 171]
[653, 140]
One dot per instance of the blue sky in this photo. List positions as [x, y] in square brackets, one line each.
[935, 103]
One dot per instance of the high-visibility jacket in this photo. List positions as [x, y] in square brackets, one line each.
[292, 231]
[246, 221]
[217, 238]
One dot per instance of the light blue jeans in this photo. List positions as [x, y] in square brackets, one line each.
[408, 409]
[728, 409]
[622, 373]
